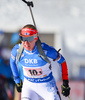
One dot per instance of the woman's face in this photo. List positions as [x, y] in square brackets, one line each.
[29, 45]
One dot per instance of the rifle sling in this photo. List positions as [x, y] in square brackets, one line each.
[41, 53]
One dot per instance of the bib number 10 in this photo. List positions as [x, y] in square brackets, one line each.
[33, 72]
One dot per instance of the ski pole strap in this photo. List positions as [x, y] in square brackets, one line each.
[41, 52]
[19, 52]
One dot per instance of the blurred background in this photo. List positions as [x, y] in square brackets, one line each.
[61, 24]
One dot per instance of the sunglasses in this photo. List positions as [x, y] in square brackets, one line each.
[28, 39]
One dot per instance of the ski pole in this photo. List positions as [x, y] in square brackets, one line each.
[69, 98]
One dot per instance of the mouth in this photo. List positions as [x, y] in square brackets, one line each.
[27, 45]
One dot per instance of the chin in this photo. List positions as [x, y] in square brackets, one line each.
[27, 48]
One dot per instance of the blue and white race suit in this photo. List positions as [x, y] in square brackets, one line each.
[36, 73]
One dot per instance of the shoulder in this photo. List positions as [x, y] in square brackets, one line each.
[51, 51]
[14, 50]
[48, 48]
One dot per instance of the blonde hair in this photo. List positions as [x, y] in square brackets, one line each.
[30, 26]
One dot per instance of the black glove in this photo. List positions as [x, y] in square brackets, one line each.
[65, 88]
[19, 86]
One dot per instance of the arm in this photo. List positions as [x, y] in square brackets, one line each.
[65, 87]
[13, 64]
[14, 69]
[55, 55]
[64, 69]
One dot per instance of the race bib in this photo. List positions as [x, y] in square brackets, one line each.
[33, 72]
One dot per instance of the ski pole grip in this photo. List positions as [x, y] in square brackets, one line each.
[28, 3]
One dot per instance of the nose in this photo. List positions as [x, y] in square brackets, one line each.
[27, 42]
